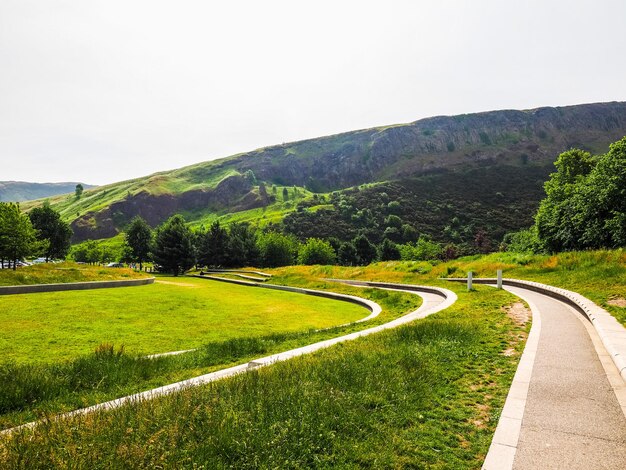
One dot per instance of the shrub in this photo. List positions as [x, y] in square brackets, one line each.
[316, 251]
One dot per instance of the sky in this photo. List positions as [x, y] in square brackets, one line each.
[103, 91]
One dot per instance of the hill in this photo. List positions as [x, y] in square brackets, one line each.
[18, 191]
[444, 168]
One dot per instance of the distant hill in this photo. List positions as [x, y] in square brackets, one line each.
[448, 172]
[18, 191]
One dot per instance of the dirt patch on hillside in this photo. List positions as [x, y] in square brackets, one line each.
[518, 312]
[617, 302]
[180, 284]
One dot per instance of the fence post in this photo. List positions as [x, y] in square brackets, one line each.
[499, 279]
[469, 281]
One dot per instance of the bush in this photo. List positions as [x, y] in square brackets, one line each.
[316, 251]
[277, 249]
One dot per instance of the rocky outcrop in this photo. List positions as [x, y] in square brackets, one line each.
[424, 146]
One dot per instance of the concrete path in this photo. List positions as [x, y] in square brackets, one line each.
[572, 416]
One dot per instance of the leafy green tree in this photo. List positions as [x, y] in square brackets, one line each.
[18, 238]
[316, 251]
[277, 249]
[423, 250]
[174, 250]
[52, 229]
[559, 220]
[78, 192]
[409, 234]
[138, 240]
[263, 192]
[213, 246]
[285, 194]
[523, 241]
[365, 250]
[347, 254]
[603, 201]
[243, 249]
[388, 251]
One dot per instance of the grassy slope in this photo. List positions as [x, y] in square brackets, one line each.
[379, 154]
[63, 272]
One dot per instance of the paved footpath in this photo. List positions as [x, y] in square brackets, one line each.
[572, 418]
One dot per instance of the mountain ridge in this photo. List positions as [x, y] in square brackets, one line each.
[427, 146]
[19, 191]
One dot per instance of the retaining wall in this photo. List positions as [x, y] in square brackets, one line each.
[34, 288]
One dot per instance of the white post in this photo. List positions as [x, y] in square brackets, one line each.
[499, 279]
[469, 280]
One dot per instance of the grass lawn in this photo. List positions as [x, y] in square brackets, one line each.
[172, 314]
[424, 395]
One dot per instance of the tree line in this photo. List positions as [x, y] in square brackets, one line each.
[41, 232]
[584, 207]
[175, 248]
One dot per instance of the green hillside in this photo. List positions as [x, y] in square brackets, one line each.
[432, 166]
[18, 191]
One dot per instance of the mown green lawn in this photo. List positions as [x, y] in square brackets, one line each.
[170, 315]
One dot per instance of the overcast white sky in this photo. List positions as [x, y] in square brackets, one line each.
[101, 91]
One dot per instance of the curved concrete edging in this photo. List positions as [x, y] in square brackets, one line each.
[34, 288]
[237, 271]
[503, 448]
[435, 300]
[611, 332]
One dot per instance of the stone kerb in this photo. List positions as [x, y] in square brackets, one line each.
[34, 288]
[611, 332]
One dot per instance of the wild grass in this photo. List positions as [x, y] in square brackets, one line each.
[51, 273]
[424, 395]
[599, 275]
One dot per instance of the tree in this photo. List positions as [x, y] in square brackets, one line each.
[213, 246]
[366, 252]
[316, 251]
[285, 194]
[52, 229]
[138, 240]
[18, 238]
[602, 199]
[277, 249]
[389, 251]
[79, 190]
[174, 250]
[423, 250]
[263, 192]
[558, 221]
[347, 255]
[242, 246]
